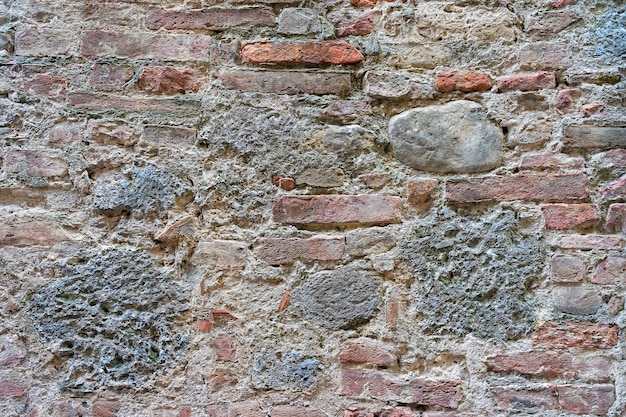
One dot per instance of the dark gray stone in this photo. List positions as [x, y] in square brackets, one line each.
[113, 321]
[339, 299]
[299, 21]
[454, 137]
[290, 371]
[579, 301]
[611, 34]
[472, 274]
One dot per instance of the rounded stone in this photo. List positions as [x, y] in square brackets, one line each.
[453, 137]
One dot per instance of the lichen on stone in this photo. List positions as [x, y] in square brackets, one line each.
[473, 274]
[113, 321]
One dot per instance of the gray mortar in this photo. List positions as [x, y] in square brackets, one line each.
[114, 320]
[472, 274]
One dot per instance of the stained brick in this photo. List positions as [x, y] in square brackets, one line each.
[525, 187]
[46, 85]
[32, 233]
[565, 98]
[545, 56]
[589, 242]
[288, 82]
[167, 47]
[31, 41]
[580, 301]
[527, 399]
[212, 18]
[169, 80]
[615, 190]
[592, 109]
[366, 351]
[611, 271]
[36, 163]
[220, 254]
[419, 190]
[223, 346]
[375, 181]
[551, 22]
[443, 393]
[299, 21]
[592, 399]
[308, 52]
[105, 408]
[616, 218]
[559, 335]
[353, 22]
[348, 109]
[550, 161]
[107, 77]
[12, 389]
[111, 132]
[106, 102]
[320, 210]
[565, 268]
[527, 82]
[291, 411]
[286, 251]
[467, 82]
[570, 216]
[585, 136]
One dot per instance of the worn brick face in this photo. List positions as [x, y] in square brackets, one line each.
[169, 80]
[286, 251]
[555, 335]
[570, 216]
[303, 52]
[212, 18]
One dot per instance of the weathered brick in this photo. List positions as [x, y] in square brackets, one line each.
[392, 309]
[615, 305]
[446, 414]
[375, 181]
[285, 183]
[286, 251]
[291, 411]
[111, 132]
[223, 346]
[592, 109]
[328, 210]
[32, 41]
[288, 82]
[443, 393]
[591, 399]
[615, 157]
[545, 56]
[550, 161]
[169, 80]
[250, 408]
[167, 47]
[565, 268]
[467, 82]
[107, 77]
[557, 4]
[107, 102]
[299, 21]
[570, 216]
[611, 271]
[386, 412]
[581, 301]
[220, 254]
[46, 85]
[419, 190]
[386, 84]
[168, 136]
[589, 242]
[585, 136]
[366, 351]
[35, 163]
[423, 55]
[565, 98]
[307, 52]
[205, 326]
[525, 187]
[527, 399]
[560, 335]
[353, 22]
[105, 408]
[614, 190]
[212, 18]
[527, 82]
[321, 177]
[616, 218]
[598, 78]
[348, 109]
[363, 3]
[12, 389]
[550, 22]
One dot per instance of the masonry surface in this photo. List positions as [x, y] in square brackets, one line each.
[333, 208]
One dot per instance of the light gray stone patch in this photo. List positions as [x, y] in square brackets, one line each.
[283, 372]
[299, 21]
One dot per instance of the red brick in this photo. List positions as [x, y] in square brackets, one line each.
[107, 102]
[592, 109]
[220, 254]
[550, 161]
[107, 77]
[589, 242]
[570, 216]
[420, 190]
[35, 163]
[467, 82]
[169, 80]
[166, 47]
[529, 399]
[223, 346]
[527, 82]
[560, 335]
[347, 108]
[308, 52]
[291, 411]
[284, 302]
[611, 271]
[289, 82]
[545, 56]
[46, 85]
[525, 187]
[616, 218]
[565, 268]
[285, 183]
[355, 23]
[363, 3]
[12, 389]
[614, 190]
[286, 251]
[591, 399]
[551, 22]
[565, 98]
[366, 351]
[328, 210]
[205, 325]
[375, 181]
[615, 305]
[32, 41]
[212, 18]
[184, 411]
[105, 408]
[443, 393]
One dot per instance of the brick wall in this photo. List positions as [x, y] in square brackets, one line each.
[322, 208]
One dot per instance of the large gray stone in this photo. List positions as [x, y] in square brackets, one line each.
[454, 137]
[339, 299]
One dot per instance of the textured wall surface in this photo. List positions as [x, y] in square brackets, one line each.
[333, 208]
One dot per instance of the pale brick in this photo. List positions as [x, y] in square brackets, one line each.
[32, 41]
[550, 161]
[565, 268]
[289, 82]
[35, 163]
[545, 56]
[33, 233]
[589, 242]
[286, 251]
[169, 80]
[212, 18]
[106, 102]
[616, 218]
[107, 77]
[220, 254]
[526, 399]
[570, 216]
[550, 22]
[581, 301]
[611, 271]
